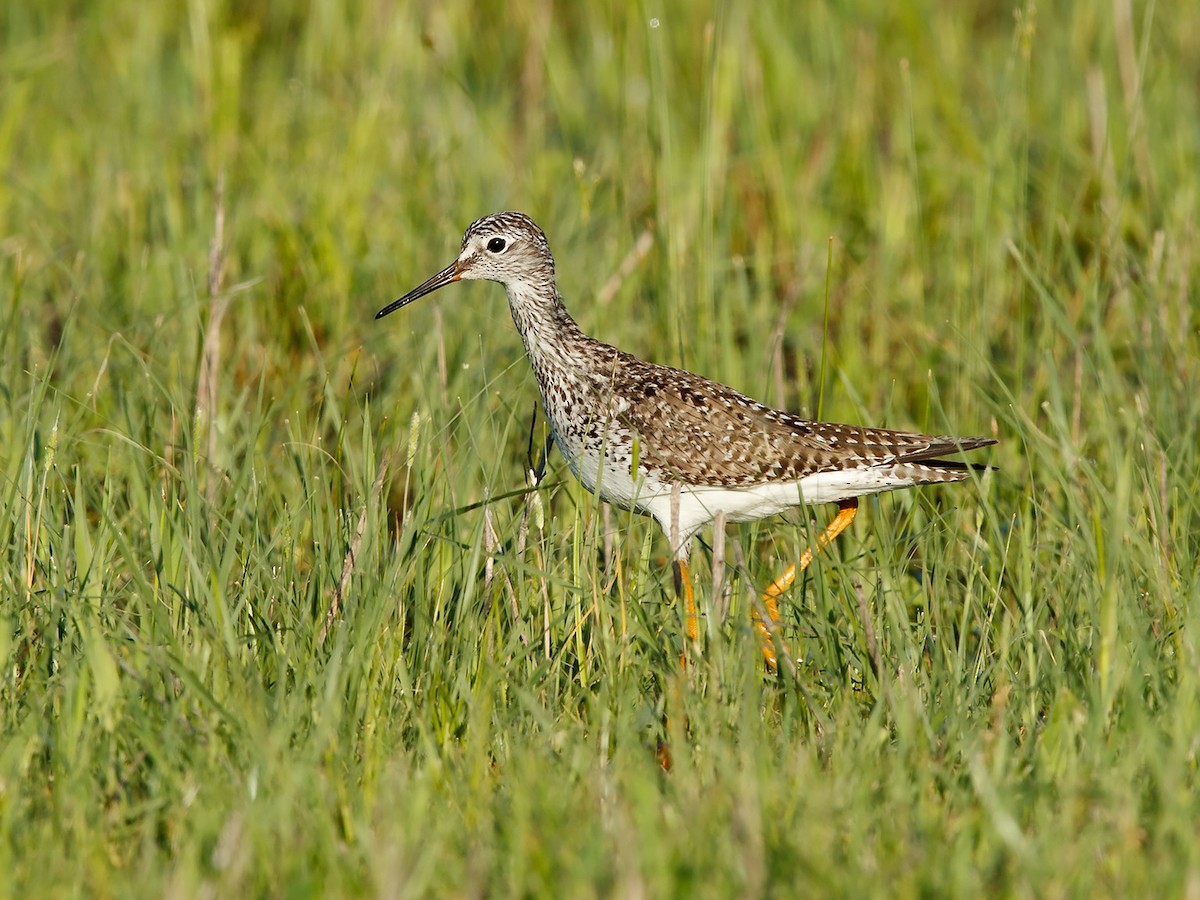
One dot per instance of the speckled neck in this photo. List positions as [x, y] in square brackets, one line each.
[550, 335]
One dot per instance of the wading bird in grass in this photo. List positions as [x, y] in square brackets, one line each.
[678, 446]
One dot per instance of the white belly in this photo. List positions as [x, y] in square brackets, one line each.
[682, 510]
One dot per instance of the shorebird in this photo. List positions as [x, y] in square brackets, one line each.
[674, 445]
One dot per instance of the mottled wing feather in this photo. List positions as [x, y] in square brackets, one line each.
[708, 434]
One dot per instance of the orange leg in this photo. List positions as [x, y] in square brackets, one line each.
[662, 753]
[847, 509]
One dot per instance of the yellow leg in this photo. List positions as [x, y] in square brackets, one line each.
[847, 509]
[683, 590]
[691, 624]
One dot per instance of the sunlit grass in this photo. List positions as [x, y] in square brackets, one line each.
[295, 620]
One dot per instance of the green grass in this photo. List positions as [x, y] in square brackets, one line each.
[249, 641]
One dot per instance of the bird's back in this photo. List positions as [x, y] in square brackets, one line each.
[699, 432]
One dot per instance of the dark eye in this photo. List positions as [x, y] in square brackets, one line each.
[496, 245]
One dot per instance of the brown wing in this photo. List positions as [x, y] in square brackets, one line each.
[710, 434]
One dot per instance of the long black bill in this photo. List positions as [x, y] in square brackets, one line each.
[441, 279]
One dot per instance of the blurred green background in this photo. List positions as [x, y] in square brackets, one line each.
[279, 613]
